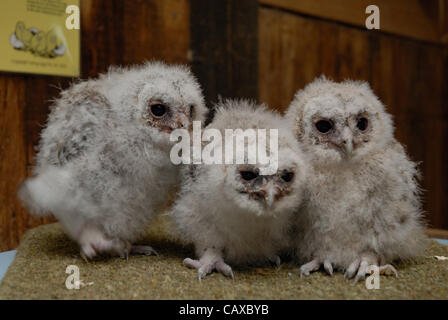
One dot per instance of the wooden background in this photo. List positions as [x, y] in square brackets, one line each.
[263, 49]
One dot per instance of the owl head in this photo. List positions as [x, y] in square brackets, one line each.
[247, 185]
[337, 122]
[157, 97]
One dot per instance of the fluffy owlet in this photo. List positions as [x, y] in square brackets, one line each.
[363, 204]
[231, 212]
[103, 167]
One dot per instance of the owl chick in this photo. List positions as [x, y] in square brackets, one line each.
[103, 167]
[362, 204]
[234, 213]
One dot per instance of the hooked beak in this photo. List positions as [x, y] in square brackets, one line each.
[270, 194]
[348, 146]
[347, 142]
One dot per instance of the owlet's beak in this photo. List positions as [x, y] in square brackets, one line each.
[270, 197]
[271, 192]
[268, 194]
[347, 141]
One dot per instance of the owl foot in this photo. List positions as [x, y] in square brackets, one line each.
[360, 267]
[209, 262]
[145, 250]
[314, 265]
[309, 267]
[362, 270]
[351, 270]
[84, 256]
[89, 251]
[206, 268]
[328, 267]
[93, 242]
[388, 270]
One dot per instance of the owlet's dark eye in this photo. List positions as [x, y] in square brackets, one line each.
[324, 126]
[287, 176]
[362, 124]
[248, 175]
[158, 110]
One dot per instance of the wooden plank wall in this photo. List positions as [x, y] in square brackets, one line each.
[409, 75]
[224, 48]
[417, 19]
[113, 32]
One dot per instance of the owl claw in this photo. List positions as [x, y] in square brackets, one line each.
[201, 275]
[357, 269]
[204, 271]
[145, 250]
[94, 242]
[205, 266]
[84, 257]
[361, 275]
[125, 255]
[328, 267]
[87, 252]
[360, 267]
[351, 270]
[190, 263]
[224, 268]
[309, 267]
[388, 270]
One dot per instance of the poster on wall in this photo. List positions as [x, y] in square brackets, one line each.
[34, 37]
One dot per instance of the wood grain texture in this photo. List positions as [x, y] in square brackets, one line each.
[224, 47]
[13, 148]
[418, 19]
[101, 35]
[437, 233]
[409, 76]
[113, 32]
[156, 30]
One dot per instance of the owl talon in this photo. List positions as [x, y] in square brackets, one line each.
[203, 269]
[309, 267]
[351, 270]
[209, 262]
[125, 255]
[87, 252]
[360, 268]
[328, 267]
[361, 275]
[201, 274]
[224, 268]
[190, 263]
[388, 270]
[145, 250]
[84, 257]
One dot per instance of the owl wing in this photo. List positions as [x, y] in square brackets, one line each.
[408, 173]
[77, 124]
[404, 235]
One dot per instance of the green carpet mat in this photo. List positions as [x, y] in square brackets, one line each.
[39, 272]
